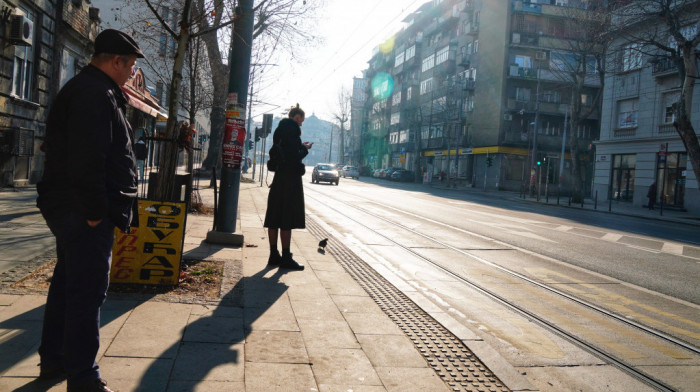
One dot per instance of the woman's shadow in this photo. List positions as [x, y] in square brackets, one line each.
[198, 355]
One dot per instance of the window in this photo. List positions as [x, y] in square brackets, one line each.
[70, 65]
[396, 98]
[476, 46]
[159, 93]
[393, 137]
[523, 61]
[442, 55]
[428, 63]
[426, 86]
[623, 177]
[627, 113]
[632, 57]
[551, 96]
[395, 118]
[163, 45]
[399, 59]
[670, 105]
[522, 94]
[23, 67]
[410, 52]
[408, 93]
[425, 132]
[586, 99]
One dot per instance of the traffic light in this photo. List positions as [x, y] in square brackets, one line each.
[250, 144]
[489, 161]
[539, 163]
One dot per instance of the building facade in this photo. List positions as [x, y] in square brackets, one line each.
[44, 44]
[639, 144]
[467, 86]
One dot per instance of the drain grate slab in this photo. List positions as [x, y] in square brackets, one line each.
[451, 359]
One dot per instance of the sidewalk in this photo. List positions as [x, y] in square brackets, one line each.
[271, 330]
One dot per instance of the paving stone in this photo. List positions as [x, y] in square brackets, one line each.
[136, 374]
[411, 379]
[328, 334]
[209, 329]
[276, 347]
[154, 329]
[322, 308]
[276, 317]
[391, 351]
[372, 324]
[342, 367]
[282, 377]
[351, 387]
[356, 304]
[210, 362]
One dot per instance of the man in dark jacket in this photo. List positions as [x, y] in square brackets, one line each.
[285, 202]
[88, 188]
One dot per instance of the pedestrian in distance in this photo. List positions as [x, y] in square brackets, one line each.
[285, 202]
[88, 188]
[651, 194]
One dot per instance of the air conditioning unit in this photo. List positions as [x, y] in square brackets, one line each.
[21, 31]
[508, 117]
[516, 38]
[540, 55]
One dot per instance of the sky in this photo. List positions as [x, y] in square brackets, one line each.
[351, 30]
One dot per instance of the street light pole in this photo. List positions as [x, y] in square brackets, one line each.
[234, 131]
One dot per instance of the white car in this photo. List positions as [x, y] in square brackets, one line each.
[350, 171]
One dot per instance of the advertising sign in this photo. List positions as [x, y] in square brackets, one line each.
[151, 253]
[234, 138]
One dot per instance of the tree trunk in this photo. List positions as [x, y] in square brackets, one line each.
[168, 165]
[684, 126]
[218, 112]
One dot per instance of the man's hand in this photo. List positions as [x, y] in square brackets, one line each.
[308, 145]
[93, 223]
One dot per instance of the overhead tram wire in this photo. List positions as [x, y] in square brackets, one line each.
[361, 47]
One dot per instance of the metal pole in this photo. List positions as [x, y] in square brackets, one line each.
[534, 132]
[486, 168]
[546, 183]
[663, 184]
[250, 119]
[242, 38]
[563, 152]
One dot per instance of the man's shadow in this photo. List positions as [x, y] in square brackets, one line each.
[267, 290]
[23, 343]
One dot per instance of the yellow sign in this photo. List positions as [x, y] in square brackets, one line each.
[151, 253]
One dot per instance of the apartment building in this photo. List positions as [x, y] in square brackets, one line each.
[43, 45]
[639, 144]
[468, 86]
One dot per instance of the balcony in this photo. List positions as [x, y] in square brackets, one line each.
[522, 72]
[465, 60]
[667, 129]
[625, 133]
[663, 66]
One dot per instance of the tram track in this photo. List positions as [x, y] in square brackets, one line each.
[510, 304]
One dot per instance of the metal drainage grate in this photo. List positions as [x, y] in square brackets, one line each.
[456, 365]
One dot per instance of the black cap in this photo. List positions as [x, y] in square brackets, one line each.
[116, 42]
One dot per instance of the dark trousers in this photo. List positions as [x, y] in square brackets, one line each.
[71, 331]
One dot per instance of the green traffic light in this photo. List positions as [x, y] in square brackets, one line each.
[539, 163]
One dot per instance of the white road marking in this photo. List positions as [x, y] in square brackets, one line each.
[563, 228]
[612, 237]
[676, 249]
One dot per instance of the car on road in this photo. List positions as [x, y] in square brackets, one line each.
[325, 172]
[350, 171]
[402, 175]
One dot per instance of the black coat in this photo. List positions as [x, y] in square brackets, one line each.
[90, 168]
[285, 202]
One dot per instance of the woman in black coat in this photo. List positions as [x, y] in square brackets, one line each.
[285, 202]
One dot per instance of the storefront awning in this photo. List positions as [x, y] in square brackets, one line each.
[140, 105]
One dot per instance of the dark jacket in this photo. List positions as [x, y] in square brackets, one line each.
[285, 202]
[90, 168]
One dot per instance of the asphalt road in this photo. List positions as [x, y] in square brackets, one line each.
[445, 249]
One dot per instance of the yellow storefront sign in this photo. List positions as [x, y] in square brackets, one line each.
[151, 253]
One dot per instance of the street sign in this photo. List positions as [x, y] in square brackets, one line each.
[662, 158]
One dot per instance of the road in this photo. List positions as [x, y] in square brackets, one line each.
[572, 299]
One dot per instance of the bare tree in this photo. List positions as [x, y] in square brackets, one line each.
[668, 31]
[342, 115]
[277, 27]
